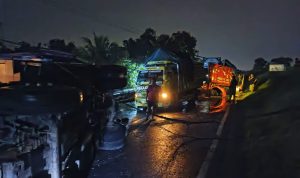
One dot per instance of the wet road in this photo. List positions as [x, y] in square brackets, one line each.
[159, 147]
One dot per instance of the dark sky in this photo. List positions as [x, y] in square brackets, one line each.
[240, 30]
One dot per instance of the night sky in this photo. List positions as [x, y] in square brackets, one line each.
[240, 30]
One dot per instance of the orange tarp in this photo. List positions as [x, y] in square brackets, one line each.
[220, 75]
[7, 74]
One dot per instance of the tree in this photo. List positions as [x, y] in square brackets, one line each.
[283, 60]
[180, 43]
[100, 51]
[148, 41]
[116, 53]
[183, 44]
[163, 41]
[141, 47]
[130, 46]
[260, 65]
[133, 69]
[4, 49]
[95, 50]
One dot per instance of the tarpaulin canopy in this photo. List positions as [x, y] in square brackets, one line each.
[185, 64]
[161, 54]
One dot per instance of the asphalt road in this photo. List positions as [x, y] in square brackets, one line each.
[159, 147]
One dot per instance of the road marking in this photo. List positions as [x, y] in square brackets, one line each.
[212, 149]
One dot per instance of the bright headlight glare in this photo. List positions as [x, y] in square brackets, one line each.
[81, 97]
[138, 95]
[164, 95]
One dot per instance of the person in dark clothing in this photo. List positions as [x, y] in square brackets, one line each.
[152, 97]
[232, 88]
[252, 81]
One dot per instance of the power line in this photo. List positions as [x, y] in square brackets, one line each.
[82, 13]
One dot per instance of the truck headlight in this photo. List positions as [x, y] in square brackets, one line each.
[81, 97]
[164, 95]
[138, 95]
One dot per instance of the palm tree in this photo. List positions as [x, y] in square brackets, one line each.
[95, 51]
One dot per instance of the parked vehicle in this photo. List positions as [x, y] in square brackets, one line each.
[52, 116]
[178, 78]
[219, 75]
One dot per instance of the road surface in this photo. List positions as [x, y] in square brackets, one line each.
[159, 147]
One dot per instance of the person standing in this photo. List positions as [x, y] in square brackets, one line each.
[232, 89]
[252, 82]
[152, 97]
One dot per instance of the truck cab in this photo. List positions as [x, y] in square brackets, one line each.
[179, 79]
[165, 78]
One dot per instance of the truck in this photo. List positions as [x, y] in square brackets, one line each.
[179, 79]
[218, 78]
[53, 109]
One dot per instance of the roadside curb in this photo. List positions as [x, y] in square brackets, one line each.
[212, 149]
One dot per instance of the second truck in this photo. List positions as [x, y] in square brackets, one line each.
[179, 79]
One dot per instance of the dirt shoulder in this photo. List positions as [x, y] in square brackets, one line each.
[262, 136]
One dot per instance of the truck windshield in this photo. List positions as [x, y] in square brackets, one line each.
[145, 75]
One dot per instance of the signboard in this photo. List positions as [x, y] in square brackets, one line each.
[277, 67]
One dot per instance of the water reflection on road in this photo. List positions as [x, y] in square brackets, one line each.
[159, 147]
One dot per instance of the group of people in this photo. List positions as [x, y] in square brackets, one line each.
[250, 86]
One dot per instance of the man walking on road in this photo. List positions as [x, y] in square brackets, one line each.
[232, 89]
[152, 97]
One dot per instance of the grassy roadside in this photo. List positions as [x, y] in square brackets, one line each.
[271, 128]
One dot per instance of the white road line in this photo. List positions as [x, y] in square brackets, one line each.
[212, 149]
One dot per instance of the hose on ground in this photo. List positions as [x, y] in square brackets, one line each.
[175, 120]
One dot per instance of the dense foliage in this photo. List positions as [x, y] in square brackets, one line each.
[181, 43]
[132, 71]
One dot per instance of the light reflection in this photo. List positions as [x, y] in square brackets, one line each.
[162, 146]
